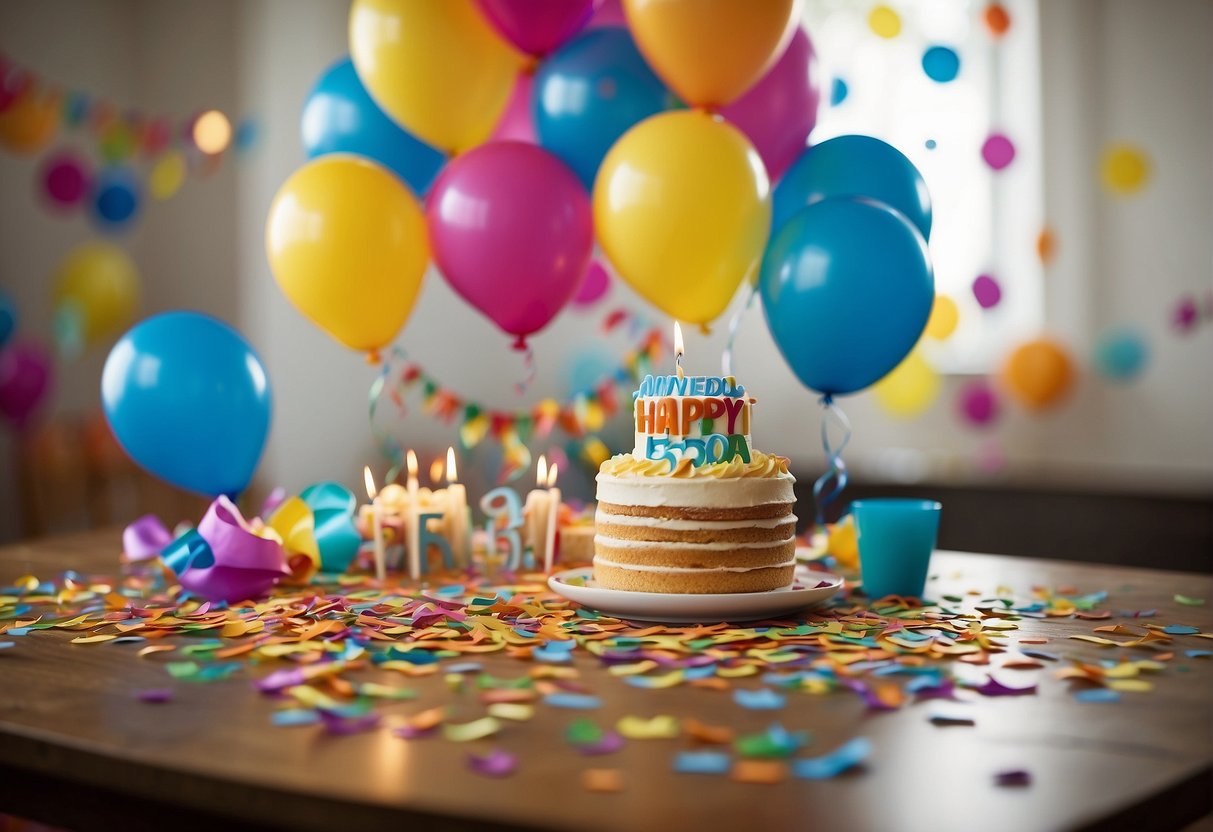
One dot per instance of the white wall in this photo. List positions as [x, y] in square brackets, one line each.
[1112, 70]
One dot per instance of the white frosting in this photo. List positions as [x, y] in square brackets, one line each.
[695, 492]
[693, 525]
[632, 567]
[716, 546]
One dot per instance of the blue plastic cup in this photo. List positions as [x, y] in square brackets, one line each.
[896, 538]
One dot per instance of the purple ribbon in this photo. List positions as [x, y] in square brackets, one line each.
[238, 566]
[145, 539]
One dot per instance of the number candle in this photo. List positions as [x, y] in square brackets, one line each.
[376, 525]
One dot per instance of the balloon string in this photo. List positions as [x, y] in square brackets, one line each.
[389, 446]
[528, 367]
[830, 485]
[726, 357]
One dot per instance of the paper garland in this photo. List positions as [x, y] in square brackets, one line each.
[580, 416]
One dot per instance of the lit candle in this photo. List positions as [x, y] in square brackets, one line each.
[457, 513]
[534, 510]
[679, 349]
[553, 501]
[376, 525]
[413, 520]
[436, 471]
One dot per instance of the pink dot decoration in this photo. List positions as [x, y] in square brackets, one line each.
[998, 151]
[593, 286]
[987, 291]
[66, 179]
[977, 403]
[1185, 314]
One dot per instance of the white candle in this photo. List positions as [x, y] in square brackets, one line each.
[376, 525]
[457, 513]
[413, 518]
[553, 500]
[534, 511]
[679, 349]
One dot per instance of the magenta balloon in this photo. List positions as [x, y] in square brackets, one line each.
[517, 123]
[26, 377]
[610, 13]
[780, 111]
[511, 231]
[538, 26]
[594, 284]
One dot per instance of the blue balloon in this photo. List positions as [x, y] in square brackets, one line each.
[1121, 355]
[941, 64]
[189, 400]
[838, 92]
[847, 288]
[115, 198]
[340, 117]
[8, 316]
[855, 166]
[589, 92]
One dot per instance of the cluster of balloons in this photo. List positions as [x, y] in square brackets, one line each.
[531, 130]
[189, 400]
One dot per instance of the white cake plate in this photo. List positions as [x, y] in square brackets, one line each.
[809, 588]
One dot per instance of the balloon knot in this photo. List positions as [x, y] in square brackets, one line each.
[704, 329]
[520, 343]
[373, 358]
[827, 399]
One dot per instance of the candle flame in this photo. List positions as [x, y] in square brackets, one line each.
[541, 471]
[452, 474]
[371, 490]
[552, 475]
[679, 349]
[435, 471]
[411, 459]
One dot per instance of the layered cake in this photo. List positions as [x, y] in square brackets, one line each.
[694, 508]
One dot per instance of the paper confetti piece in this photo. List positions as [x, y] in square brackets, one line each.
[1013, 778]
[765, 772]
[950, 716]
[992, 687]
[155, 695]
[343, 725]
[602, 780]
[845, 757]
[708, 734]
[702, 762]
[775, 742]
[665, 680]
[1180, 630]
[762, 699]
[513, 711]
[496, 763]
[576, 701]
[1097, 695]
[182, 670]
[5, 645]
[1198, 654]
[583, 732]
[477, 729]
[639, 728]
[92, 639]
[608, 744]
[1189, 602]
[291, 717]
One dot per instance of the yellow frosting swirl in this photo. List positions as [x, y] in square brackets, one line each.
[760, 465]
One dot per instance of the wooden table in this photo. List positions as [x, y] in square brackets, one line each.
[77, 748]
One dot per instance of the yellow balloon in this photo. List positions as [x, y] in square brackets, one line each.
[100, 280]
[435, 66]
[682, 208]
[944, 317]
[347, 243]
[30, 122]
[710, 52]
[910, 388]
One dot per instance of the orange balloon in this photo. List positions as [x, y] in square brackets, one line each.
[1038, 374]
[710, 52]
[30, 122]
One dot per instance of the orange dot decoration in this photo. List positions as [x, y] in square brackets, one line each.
[997, 19]
[1038, 374]
[1046, 245]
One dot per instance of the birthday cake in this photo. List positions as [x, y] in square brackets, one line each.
[694, 508]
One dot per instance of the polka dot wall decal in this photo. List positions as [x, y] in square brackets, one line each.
[941, 64]
[884, 22]
[998, 151]
[1124, 169]
[987, 291]
[1185, 314]
[997, 19]
[1121, 355]
[930, 144]
[1046, 245]
[944, 317]
[838, 92]
[977, 403]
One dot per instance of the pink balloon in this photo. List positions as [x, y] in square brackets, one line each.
[594, 284]
[26, 377]
[780, 111]
[511, 231]
[66, 178]
[538, 26]
[610, 13]
[517, 123]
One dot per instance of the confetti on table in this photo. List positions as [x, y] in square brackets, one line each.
[992, 687]
[1180, 630]
[609, 743]
[767, 772]
[775, 742]
[496, 763]
[950, 717]
[575, 701]
[156, 695]
[602, 780]
[845, 757]
[1189, 602]
[639, 728]
[513, 711]
[294, 716]
[1013, 778]
[1097, 695]
[708, 734]
[477, 729]
[702, 762]
[762, 699]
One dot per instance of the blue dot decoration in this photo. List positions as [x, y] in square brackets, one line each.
[838, 92]
[1121, 354]
[930, 143]
[941, 64]
[115, 198]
